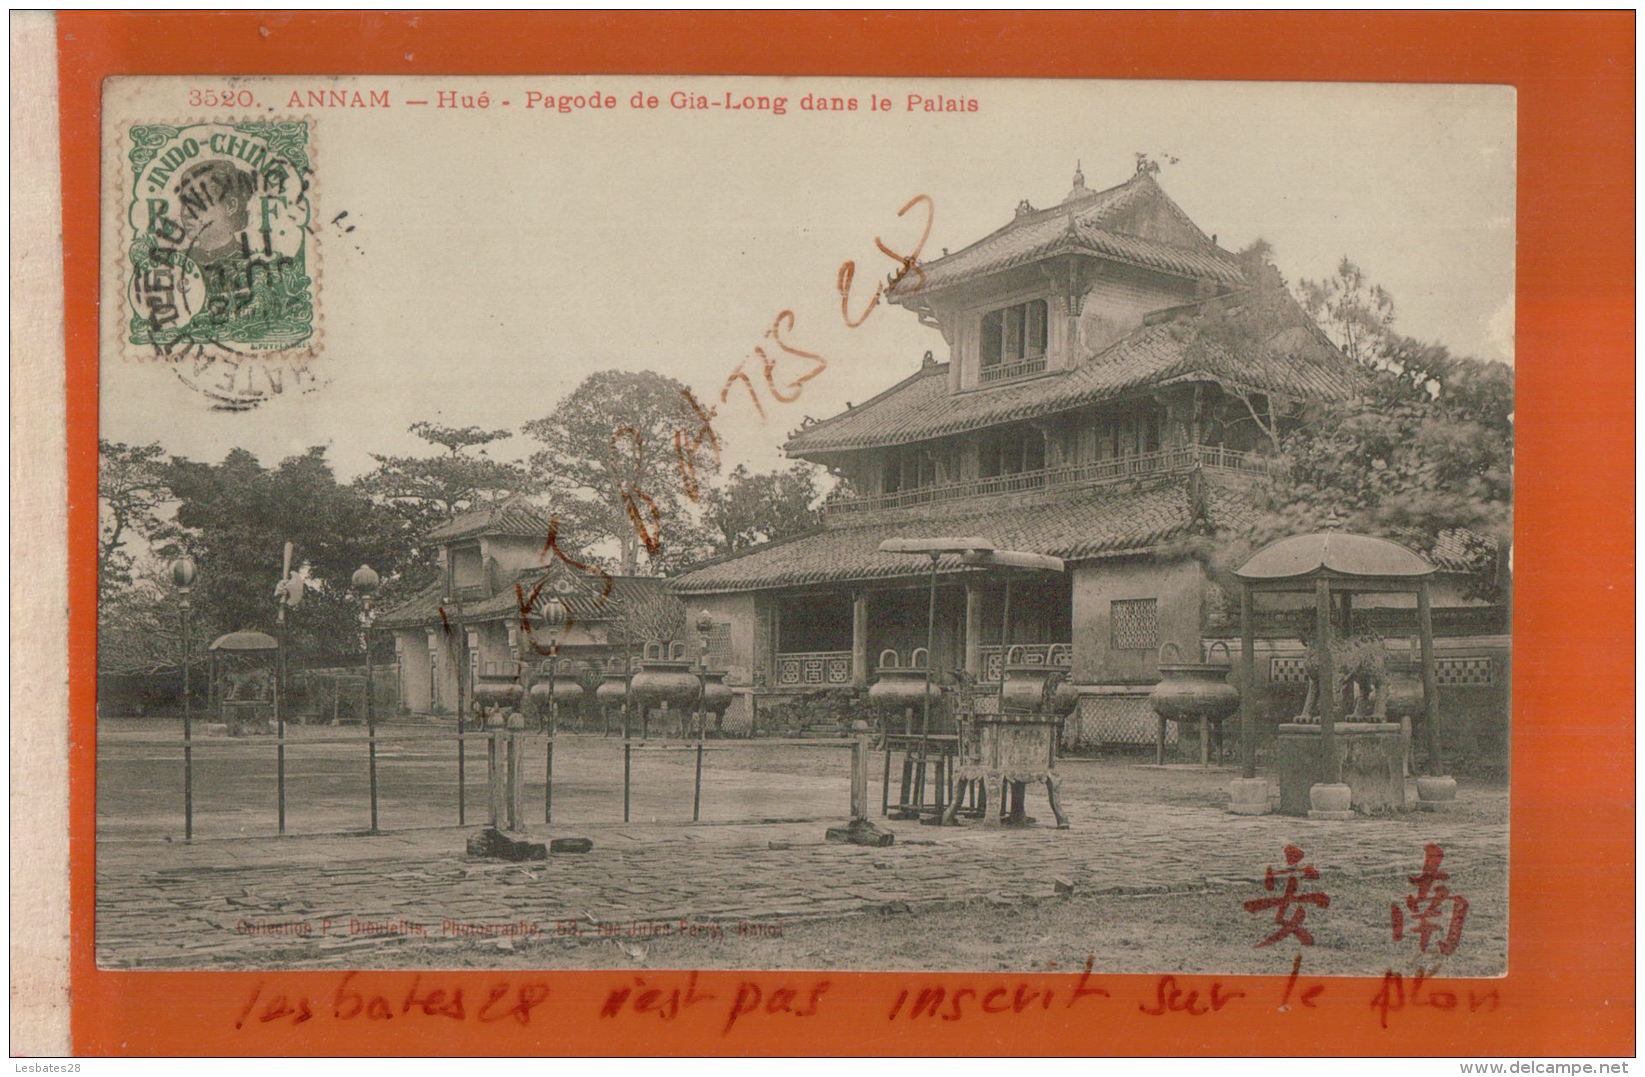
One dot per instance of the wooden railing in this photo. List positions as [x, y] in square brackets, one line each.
[813, 669]
[1022, 368]
[1057, 655]
[1119, 469]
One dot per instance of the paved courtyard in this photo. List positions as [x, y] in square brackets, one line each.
[1151, 854]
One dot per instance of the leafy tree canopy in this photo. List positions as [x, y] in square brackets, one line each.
[750, 508]
[238, 514]
[427, 490]
[611, 457]
[1422, 453]
[131, 495]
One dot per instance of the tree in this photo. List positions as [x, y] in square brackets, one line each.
[238, 515]
[1245, 335]
[139, 624]
[1421, 452]
[625, 457]
[426, 491]
[1358, 314]
[751, 508]
[1419, 461]
[131, 489]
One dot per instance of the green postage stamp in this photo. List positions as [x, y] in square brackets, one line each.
[220, 256]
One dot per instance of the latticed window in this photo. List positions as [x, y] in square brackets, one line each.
[718, 654]
[1134, 624]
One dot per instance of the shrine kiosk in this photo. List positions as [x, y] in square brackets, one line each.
[1348, 758]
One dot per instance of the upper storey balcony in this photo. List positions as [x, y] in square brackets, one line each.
[1163, 462]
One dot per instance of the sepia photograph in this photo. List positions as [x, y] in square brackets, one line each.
[649, 522]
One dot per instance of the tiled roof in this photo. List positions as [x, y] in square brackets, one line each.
[921, 407]
[1075, 525]
[512, 516]
[1088, 223]
[586, 601]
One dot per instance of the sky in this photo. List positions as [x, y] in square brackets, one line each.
[498, 257]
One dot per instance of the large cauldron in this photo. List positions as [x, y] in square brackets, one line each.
[665, 678]
[613, 689]
[717, 695]
[1035, 688]
[492, 690]
[567, 691]
[1190, 691]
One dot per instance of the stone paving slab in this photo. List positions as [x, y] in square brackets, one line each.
[224, 903]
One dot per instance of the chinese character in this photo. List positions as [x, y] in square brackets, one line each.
[1290, 901]
[1425, 905]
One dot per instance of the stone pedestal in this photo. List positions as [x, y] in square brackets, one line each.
[493, 844]
[1436, 793]
[1371, 766]
[1249, 796]
[1330, 800]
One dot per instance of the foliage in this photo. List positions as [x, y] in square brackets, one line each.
[139, 624]
[238, 514]
[840, 706]
[426, 491]
[611, 454]
[647, 615]
[1415, 462]
[749, 508]
[1358, 314]
[1422, 453]
[1252, 327]
[131, 490]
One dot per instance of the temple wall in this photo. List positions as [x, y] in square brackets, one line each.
[1116, 304]
[411, 645]
[1127, 653]
[740, 613]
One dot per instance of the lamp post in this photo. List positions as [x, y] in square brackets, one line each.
[364, 583]
[182, 577]
[552, 618]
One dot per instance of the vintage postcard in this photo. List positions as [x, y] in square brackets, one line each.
[1056, 533]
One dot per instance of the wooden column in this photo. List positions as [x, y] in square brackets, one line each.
[859, 639]
[1430, 682]
[973, 629]
[1248, 685]
[1327, 680]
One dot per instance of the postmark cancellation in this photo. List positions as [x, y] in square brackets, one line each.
[219, 257]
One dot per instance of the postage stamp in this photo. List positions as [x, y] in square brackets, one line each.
[219, 261]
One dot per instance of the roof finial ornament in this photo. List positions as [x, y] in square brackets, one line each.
[1078, 190]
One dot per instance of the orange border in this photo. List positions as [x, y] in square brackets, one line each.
[1571, 989]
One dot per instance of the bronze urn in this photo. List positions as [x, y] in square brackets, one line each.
[1190, 691]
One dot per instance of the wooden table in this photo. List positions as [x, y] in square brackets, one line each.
[936, 750]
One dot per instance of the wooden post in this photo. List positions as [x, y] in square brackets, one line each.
[1327, 680]
[494, 774]
[188, 737]
[885, 785]
[371, 731]
[1430, 682]
[280, 716]
[973, 629]
[697, 789]
[516, 800]
[859, 777]
[859, 639]
[1248, 673]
